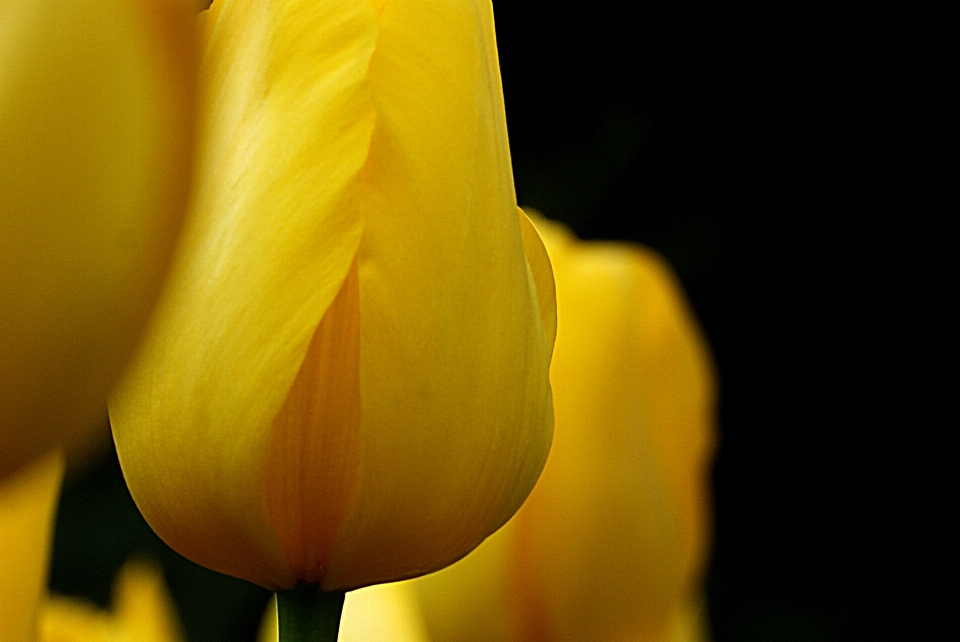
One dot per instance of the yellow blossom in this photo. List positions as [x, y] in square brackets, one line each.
[96, 119]
[346, 381]
[610, 546]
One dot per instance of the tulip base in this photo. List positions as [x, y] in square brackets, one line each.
[307, 614]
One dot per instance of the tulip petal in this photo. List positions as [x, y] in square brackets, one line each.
[28, 502]
[313, 456]
[96, 129]
[456, 417]
[273, 229]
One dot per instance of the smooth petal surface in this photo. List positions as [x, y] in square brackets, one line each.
[96, 134]
[142, 612]
[272, 231]
[612, 540]
[28, 502]
[455, 407]
[347, 379]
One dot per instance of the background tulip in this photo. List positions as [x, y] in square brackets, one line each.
[142, 612]
[142, 609]
[610, 546]
[28, 500]
[96, 112]
[346, 381]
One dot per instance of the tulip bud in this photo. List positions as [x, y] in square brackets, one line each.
[611, 543]
[346, 381]
[96, 115]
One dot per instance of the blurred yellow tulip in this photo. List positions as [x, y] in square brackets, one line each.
[142, 612]
[611, 544]
[28, 502]
[346, 381]
[96, 122]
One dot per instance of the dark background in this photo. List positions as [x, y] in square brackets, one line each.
[769, 153]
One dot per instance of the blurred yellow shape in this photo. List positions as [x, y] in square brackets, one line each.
[142, 612]
[96, 137]
[611, 544]
[28, 502]
[688, 622]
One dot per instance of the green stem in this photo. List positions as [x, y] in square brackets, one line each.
[307, 614]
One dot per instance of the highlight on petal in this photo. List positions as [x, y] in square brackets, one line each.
[96, 135]
[142, 612]
[28, 502]
[541, 271]
[286, 119]
[456, 417]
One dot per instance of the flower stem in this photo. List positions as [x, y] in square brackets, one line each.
[307, 614]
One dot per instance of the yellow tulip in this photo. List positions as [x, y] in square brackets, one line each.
[96, 118]
[346, 381]
[610, 546]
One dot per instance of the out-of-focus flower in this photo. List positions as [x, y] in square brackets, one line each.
[385, 613]
[96, 120]
[611, 544]
[346, 381]
[142, 612]
[28, 501]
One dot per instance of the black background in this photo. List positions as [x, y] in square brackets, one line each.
[768, 151]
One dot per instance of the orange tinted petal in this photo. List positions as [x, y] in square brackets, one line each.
[271, 234]
[313, 459]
